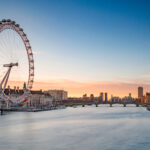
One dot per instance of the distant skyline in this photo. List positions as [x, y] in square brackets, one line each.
[77, 89]
[86, 45]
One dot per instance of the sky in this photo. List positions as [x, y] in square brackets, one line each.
[86, 46]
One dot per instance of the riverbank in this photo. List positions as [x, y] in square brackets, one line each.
[30, 109]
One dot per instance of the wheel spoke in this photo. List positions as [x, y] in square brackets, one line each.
[15, 48]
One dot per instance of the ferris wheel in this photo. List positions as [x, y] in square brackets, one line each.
[16, 60]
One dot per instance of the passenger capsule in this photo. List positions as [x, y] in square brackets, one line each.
[13, 22]
[29, 47]
[20, 29]
[17, 25]
[24, 34]
[32, 61]
[4, 20]
[27, 41]
[8, 20]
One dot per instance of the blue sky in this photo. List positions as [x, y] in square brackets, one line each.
[86, 40]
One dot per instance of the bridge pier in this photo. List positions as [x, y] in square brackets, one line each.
[143, 105]
[96, 104]
[124, 105]
[2, 111]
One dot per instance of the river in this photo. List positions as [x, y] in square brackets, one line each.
[81, 128]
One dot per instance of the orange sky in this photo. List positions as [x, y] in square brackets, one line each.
[77, 89]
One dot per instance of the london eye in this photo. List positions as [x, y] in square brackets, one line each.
[16, 60]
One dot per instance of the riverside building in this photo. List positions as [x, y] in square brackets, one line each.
[36, 98]
[106, 97]
[58, 95]
[140, 92]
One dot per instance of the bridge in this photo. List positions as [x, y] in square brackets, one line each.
[124, 104]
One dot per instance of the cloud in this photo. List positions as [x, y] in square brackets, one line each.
[147, 76]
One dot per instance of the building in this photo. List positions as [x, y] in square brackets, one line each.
[92, 97]
[115, 99]
[35, 99]
[58, 95]
[14, 93]
[147, 98]
[85, 98]
[140, 92]
[106, 97]
[39, 99]
[128, 99]
[101, 96]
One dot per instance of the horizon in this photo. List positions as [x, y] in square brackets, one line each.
[78, 89]
[86, 46]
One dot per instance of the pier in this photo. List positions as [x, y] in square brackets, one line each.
[20, 109]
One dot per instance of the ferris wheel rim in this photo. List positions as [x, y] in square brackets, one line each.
[8, 24]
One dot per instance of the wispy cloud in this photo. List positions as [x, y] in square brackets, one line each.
[147, 76]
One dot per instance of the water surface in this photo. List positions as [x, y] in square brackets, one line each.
[81, 128]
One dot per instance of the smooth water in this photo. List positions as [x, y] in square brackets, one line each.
[81, 128]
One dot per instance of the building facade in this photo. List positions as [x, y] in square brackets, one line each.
[106, 97]
[58, 95]
[140, 92]
[101, 97]
[147, 98]
[35, 98]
